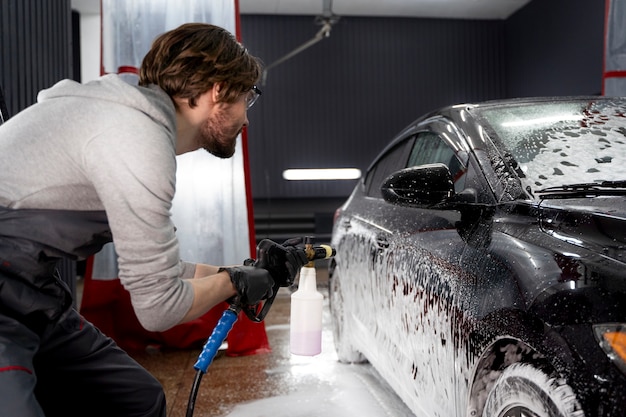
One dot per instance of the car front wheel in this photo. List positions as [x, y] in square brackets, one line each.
[525, 391]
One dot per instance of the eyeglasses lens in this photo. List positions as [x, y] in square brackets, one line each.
[253, 96]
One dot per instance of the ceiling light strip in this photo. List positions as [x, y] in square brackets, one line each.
[321, 174]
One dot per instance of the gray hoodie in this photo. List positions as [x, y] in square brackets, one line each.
[106, 145]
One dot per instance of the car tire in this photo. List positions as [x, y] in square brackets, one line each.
[345, 351]
[524, 390]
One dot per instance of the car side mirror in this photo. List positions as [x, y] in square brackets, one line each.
[421, 186]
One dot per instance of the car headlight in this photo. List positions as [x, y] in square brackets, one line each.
[612, 338]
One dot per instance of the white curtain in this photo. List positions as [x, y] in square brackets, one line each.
[615, 49]
[130, 26]
[210, 206]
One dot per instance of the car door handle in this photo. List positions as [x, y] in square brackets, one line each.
[382, 242]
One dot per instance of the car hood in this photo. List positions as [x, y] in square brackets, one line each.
[597, 224]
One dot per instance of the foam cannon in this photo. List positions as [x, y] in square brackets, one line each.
[308, 311]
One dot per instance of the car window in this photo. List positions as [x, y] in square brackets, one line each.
[393, 160]
[430, 148]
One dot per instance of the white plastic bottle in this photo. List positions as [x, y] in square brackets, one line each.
[306, 316]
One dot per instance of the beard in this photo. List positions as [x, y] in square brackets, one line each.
[218, 136]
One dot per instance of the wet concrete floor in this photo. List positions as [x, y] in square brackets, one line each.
[277, 383]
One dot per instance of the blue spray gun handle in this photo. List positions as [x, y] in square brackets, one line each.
[212, 345]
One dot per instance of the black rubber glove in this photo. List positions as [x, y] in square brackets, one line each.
[296, 255]
[253, 284]
[282, 261]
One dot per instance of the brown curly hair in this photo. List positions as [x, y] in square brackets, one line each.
[187, 61]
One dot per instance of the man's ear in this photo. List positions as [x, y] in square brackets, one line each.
[217, 92]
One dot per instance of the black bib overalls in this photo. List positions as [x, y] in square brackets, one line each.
[52, 362]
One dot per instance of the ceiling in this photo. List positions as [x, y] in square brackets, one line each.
[454, 9]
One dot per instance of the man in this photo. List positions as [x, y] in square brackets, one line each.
[93, 163]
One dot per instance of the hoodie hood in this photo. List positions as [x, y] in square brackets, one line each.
[151, 100]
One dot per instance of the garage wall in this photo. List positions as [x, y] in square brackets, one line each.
[555, 47]
[338, 103]
[35, 48]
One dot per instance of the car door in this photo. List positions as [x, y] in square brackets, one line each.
[415, 276]
[360, 235]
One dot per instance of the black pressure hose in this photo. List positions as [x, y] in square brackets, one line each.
[210, 349]
[194, 393]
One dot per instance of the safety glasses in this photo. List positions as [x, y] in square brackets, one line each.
[252, 96]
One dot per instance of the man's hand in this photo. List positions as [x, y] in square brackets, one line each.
[282, 261]
[252, 284]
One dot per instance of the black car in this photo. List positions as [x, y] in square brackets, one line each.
[481, 261]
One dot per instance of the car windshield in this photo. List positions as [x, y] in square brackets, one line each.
[562, 143]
